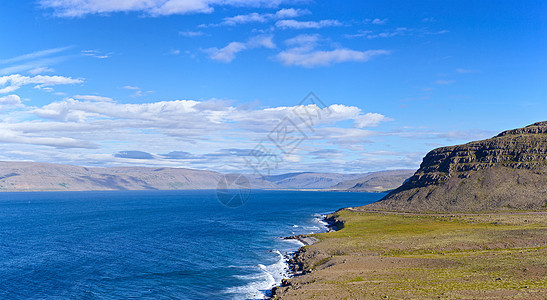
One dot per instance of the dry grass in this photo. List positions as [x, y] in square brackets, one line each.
[452, 256]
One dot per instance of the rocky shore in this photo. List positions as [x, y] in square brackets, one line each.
[297, 262]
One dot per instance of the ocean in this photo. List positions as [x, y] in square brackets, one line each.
[154, 244]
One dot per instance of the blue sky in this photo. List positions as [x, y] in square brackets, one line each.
[203, 83]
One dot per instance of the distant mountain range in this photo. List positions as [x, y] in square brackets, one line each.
[31, 176]
[375, 182]
[508, 171]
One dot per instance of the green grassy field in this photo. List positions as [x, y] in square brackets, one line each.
[417, 256]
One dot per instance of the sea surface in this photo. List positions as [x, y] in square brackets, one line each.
[153, 244]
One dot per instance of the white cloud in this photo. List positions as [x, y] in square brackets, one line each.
[10, 102]
[138, 91]
[370, 120]
[35, 62]
[377, 21]
[79, 8]
[265, 41]
[399, 31]
[304, 40]
[93, 98]
[96, 54]
[286, 13]
[310, 59]
[228, 53]
[11, 83]
[191, 33]
[385, 34]
[187, 118]
[294, 24]
[34, 55]
[9, 89]
[303, 52]
[242, 19]
[196, 127]
[9, 136]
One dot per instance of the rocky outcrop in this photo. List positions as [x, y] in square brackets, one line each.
[506, 171]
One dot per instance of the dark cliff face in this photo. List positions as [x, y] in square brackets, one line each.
[508, 170]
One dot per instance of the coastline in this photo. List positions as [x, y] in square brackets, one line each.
[295, 260]
[375, 254]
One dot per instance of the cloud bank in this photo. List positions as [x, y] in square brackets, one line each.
[79, 8]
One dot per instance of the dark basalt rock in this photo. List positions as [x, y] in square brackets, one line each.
[506, 171]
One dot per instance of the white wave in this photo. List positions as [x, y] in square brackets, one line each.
[269, 276]
[263, 281]
[297, 243]
[312, 228]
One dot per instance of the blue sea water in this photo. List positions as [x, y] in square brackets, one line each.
[153, 244]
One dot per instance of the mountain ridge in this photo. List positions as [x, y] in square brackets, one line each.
[503, 172]
[33, 176]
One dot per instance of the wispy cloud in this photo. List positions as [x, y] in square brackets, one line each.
[18, 137]
[376, 21]
[294, 24]
[174, 52]
[303, 52]
[35, 62]
[138, 92]
[228, 53]
[190, 33]
[369, 34]
[399, 31]
[12, 83]
[41, 70]
[34, 55]
[80, 8]
[285, 13]
[324, 58]
[93, 98]
[96, 54]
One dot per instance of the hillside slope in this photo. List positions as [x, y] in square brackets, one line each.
[506, 171]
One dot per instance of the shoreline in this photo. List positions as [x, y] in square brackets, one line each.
[454, 256]
[293, 259]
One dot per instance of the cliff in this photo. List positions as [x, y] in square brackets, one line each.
[504, 172]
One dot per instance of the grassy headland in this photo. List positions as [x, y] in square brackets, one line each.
[415, 256]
